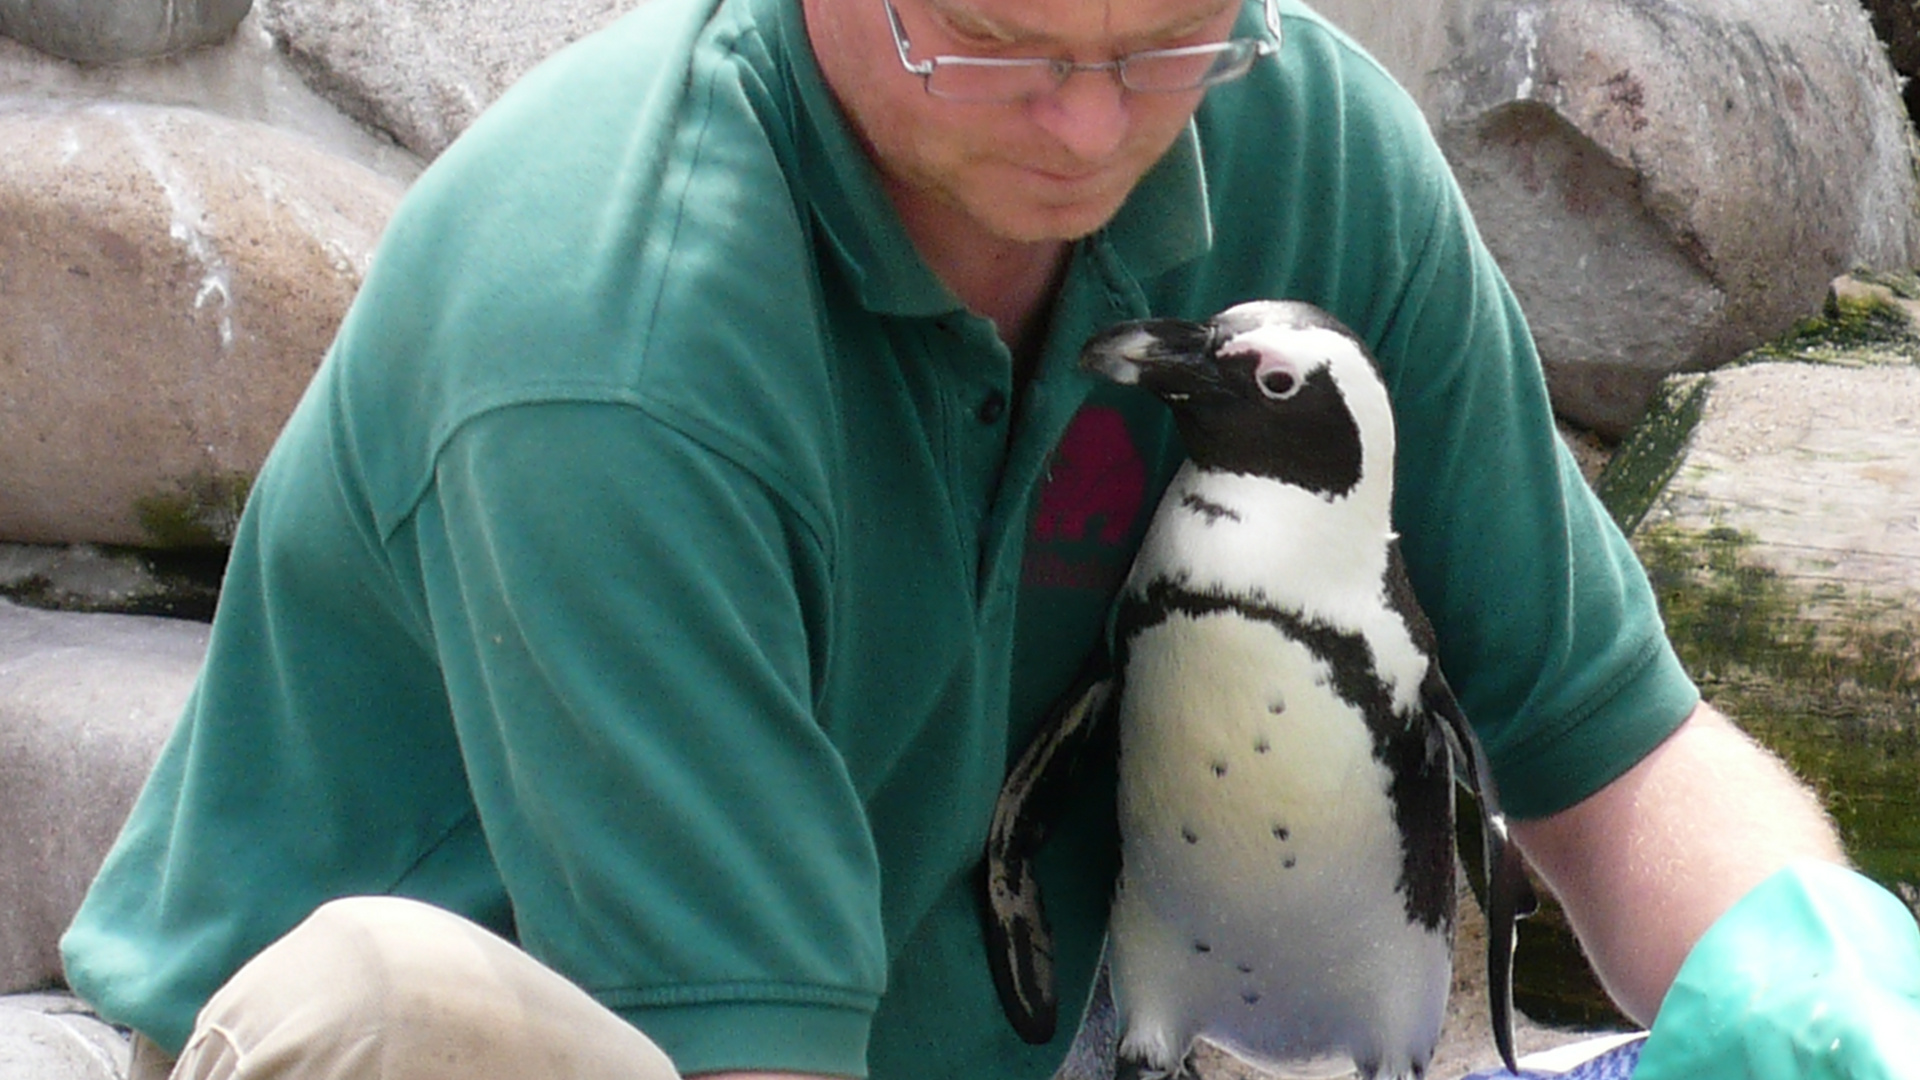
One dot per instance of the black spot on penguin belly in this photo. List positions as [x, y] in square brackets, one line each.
[1415, 754]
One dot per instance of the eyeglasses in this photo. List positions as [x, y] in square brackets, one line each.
[1150, 71]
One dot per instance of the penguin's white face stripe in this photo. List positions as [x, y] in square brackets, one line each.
[1303, 350]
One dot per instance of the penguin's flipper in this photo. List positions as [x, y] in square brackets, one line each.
[1509, 896]
[1039, 787]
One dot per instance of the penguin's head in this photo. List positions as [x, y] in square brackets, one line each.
[1276, 389]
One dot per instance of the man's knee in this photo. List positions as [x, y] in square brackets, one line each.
[384, 986]
[353, 954]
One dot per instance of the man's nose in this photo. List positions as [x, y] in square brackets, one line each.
[1087, 113]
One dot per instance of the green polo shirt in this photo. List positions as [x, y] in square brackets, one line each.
[661, 569]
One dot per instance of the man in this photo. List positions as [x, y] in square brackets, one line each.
[700, 506]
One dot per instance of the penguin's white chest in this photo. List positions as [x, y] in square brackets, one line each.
[1259, 900]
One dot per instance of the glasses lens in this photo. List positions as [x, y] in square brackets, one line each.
[1171, 70]
[966, 78]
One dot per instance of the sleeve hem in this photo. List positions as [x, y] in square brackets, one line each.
[1623, 726]
[778, 1036]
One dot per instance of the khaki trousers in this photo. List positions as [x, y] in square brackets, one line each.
[379, 988]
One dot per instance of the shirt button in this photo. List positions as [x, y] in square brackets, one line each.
[992, 409]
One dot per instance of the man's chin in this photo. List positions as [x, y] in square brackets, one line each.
[1035, 224]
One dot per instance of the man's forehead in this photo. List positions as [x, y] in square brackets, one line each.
[1046, 21]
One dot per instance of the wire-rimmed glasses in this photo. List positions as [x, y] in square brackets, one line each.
[986, 79]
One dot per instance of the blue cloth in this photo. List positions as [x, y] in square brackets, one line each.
[1614, 1064]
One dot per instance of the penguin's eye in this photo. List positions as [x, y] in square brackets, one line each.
[1278, 379]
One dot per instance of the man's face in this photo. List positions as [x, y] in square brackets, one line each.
[1056, 167]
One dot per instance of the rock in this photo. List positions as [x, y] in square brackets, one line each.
[422, 70]
[1777, 507]
[1898, 25]
[108, 31]
[55, 1037]
[1590, 451]
[85, 704]
[1667, 184]
[243, 79]
[169, 279]
[1813, 471]
[82, 577]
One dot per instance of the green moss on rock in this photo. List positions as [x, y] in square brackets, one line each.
[1727, 610]
[1852, 330]
[1904, 284]
[1828, 680]
[1640, 468]
[202, 512]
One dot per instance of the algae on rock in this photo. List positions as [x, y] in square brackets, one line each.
[1828, 680]
[203, 511]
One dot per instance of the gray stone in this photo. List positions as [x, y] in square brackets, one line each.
[106, 31]
[422, 70]
[1898, 24]
[245, 78]
[1820, 465]
[1666, 184]
[83, 577]
[85, 703]
[54, 1037]
[169, 279]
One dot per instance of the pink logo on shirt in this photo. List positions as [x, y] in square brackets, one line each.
[1095, 491]
[1096, 474]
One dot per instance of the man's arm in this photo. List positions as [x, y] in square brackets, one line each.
[1646, 864]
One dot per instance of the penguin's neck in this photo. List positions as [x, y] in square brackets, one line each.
[1248, 537]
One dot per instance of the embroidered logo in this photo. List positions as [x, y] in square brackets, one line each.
[1089, 506]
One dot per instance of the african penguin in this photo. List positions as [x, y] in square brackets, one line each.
[1287, 743]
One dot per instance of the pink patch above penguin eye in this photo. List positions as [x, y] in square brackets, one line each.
[1277, 377]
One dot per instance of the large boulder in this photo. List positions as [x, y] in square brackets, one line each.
[1774, 503]
[85, 703]
[108, 31]
[244, 78]
[169, 279]
[422, 70]
[1667, 183]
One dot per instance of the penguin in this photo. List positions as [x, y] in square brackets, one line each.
[1287, 744]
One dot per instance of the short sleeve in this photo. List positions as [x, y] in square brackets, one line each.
[629, 630]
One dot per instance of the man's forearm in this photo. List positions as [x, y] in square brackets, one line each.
[1645, 865]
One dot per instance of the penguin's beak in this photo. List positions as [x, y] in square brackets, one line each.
[1126, 352]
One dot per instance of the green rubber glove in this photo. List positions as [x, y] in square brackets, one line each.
[1815, 974]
